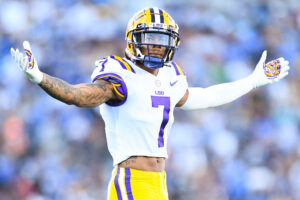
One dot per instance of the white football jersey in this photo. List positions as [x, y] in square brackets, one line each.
[141, 123]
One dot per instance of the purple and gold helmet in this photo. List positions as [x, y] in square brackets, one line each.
[151, 26]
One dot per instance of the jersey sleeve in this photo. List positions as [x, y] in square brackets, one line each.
[112, 69]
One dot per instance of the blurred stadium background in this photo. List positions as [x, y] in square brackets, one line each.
[246, 150]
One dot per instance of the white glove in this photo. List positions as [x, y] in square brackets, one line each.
[27, 63]
[259, 77]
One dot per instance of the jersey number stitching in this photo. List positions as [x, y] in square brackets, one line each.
[163, 101]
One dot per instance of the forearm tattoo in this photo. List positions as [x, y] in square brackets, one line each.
[82, 95]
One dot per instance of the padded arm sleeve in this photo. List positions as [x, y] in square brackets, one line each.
[217, 95]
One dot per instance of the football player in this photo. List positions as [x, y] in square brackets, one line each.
[137, 95]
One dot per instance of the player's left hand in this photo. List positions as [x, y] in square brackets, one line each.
[262, 75]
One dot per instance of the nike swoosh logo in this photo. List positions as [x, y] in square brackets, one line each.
[172, 84]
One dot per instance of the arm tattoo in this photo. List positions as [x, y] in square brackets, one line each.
[82, 95]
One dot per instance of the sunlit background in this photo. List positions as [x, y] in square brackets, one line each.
[246, 150]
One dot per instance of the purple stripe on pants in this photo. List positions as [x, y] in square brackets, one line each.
[117, 185]
[127, 184]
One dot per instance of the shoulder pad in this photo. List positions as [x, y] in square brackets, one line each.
[177, 69]
[101, 61]
[116, 59]
[123, 63]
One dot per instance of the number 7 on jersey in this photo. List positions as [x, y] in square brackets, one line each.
[163, 101]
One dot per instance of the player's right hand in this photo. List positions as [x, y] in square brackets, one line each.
[27, 63]
[259, 77]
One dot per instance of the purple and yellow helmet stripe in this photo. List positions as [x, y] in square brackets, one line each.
[162, 19]
[156, 15]
[152, 14]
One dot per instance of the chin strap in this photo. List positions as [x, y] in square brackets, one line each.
[148, 61]
[153, 62]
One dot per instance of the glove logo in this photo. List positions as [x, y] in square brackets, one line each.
[272, 69]
[30, 59]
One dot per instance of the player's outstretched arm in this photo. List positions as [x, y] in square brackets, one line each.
[197, 98]
[82, 95]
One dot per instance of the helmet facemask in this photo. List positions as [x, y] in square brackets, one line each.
[153, 48]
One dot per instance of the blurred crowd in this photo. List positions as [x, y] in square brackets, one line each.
[245, 150]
